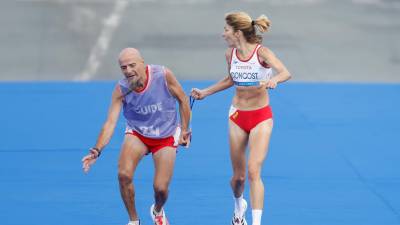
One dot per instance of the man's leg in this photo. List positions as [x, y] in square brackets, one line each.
[132, 152]
[164, 161]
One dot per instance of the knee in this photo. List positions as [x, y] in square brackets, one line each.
[124, 178]
[160, 190]
[239, 179]
[254, 172]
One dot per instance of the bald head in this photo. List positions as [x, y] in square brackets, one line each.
[131, 53]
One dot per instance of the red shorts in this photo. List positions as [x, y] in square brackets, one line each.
[247, 120]
[155, 144]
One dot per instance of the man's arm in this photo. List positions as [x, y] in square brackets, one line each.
[106, 131]
[112, 119]
[184, 109]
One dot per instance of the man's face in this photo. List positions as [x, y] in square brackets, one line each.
[132, 67]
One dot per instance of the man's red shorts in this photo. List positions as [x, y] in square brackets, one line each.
[155, 144]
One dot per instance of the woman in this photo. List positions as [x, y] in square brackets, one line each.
[250, 68]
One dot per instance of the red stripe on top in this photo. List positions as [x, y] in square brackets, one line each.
[251, 56]
[146, 85]
[262, 63]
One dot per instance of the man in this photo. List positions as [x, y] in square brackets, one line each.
[148, 96]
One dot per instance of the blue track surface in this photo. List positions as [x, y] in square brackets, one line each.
[333, 160]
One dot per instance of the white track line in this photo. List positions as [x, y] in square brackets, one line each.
[100, 48]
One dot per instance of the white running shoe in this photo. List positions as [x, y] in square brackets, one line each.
[239, 217]
[136, 222]
[159, 218]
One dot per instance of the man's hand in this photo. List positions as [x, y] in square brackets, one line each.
[185, 138]
[90, 159]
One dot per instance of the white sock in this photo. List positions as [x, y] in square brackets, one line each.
[256, 213]
[134, 222]
[238, 204]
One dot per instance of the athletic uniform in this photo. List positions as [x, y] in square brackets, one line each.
[151, 114]
[249, 72]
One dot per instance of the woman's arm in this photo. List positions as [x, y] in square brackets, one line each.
[282, 73]
[221, 85]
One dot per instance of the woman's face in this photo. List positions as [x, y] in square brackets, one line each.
[229, 36]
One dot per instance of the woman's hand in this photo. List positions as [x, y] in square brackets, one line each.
[198, 94]
[271, 84]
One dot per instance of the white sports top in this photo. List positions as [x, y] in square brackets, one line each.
[250, 72]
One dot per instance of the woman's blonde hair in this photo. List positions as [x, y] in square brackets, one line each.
[243, 22]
